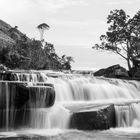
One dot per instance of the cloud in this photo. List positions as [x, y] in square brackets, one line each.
[77, 23]
[117, 2]
[29, 7]
[31, 11]
[34, 11]
[55, 5]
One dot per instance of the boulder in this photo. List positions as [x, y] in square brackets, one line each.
[115, 71]
[100, 72]
[100, 118]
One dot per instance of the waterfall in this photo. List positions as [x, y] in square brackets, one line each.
[71, 90]
[89, 89]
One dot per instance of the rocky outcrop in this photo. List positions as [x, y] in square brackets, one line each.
[115, 71]
[7, 76]
[20, 96]
[97, 119]
[9, 35]
[5, 39]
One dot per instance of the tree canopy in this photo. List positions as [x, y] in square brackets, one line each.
[30, 55]
[122, 37]
[66, 62]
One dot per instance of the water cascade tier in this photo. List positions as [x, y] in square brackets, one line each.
[50, 100]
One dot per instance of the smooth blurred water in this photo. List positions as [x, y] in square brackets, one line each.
[77, 92]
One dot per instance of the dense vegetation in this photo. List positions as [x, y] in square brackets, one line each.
[123, 37]
[17, 51]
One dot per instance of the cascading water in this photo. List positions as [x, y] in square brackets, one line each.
[80, 89]
[76, 91]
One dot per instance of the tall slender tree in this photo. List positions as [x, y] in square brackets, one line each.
[42, 28]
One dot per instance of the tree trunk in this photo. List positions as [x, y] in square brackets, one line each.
[128, 63]
[128, 55]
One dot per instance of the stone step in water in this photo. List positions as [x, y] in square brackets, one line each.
[18, 100]
[27, 75]
[19, 96]
[22, 76]
[7, 75]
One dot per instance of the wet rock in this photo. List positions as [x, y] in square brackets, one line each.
[20, 96]
[12, 119]
[17, 101]
[115, 71]
[7, 76]
[135, 73]
[100, 72]
[34, 96]
[13, 95]
[3, 68]
[21, 118]
[42, 96]
[97, 119]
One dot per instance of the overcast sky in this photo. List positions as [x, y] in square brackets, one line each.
[75, 25]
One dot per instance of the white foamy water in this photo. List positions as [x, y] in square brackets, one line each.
[79, 93]
[59, 134]
[76, 90]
